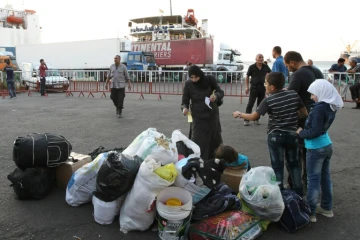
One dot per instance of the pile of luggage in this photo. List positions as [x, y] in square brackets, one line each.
[159, 179]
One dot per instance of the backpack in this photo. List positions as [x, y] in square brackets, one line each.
[296, 212]
[32, 182]
[41, 150]
[220, 199]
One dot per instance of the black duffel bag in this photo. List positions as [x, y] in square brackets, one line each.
[41, 150]
[32, 183]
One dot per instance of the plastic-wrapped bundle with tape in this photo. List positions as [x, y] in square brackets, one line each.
[116, 176]
[151, 143]
[258, 188]
[82, 183]
[138, 210]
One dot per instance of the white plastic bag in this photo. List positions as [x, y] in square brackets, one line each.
[105, 212]
[82, 183]
[177, 136]
[197, 192]
[138, 210]
[160, 148]
[138, 141]
[260, 191]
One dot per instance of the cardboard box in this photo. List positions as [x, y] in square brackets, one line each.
[232, 177]
[65, 170]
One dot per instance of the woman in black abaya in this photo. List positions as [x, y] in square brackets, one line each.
[205, 128]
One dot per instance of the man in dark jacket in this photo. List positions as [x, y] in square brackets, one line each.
[205, 127]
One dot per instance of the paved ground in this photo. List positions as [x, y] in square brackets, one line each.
[89, 123]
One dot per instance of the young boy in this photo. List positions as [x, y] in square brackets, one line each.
[284, 108]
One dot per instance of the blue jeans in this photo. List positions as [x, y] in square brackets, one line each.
[318, 174]
[11, 88]
[286, 143]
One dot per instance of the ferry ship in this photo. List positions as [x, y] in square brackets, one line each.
[18, 27]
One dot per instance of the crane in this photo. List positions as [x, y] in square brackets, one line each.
[350, 47]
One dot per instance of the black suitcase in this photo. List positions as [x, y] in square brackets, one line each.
[41, 150]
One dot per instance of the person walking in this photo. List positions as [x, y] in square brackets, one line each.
[119, 75]
[205, 96]
[9, 70]
[42, 71]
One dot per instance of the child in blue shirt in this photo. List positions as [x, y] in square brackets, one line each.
[319, 146]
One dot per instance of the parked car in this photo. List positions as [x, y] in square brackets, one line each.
[54, 81]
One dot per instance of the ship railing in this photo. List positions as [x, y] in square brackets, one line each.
[154, 82]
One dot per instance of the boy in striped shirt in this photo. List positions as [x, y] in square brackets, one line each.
[284, 108]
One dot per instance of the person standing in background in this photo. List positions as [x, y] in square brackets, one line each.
[9, 70]
[257, 73]
[42, 71]
[340, 79]
[279, 65]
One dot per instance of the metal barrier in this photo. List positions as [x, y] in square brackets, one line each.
[145, 82]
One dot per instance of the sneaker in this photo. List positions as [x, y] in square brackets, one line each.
[14, 97]
[257, 122]
[246, 123]
[324, 212]
[313, 219]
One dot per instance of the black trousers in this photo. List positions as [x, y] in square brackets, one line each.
[302, 156]
[355, 91]
[117, 96]
[257, 92]
[42, 86]
[207, 135]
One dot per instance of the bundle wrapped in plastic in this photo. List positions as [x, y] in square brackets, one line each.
[116, 176]
[184, 145]
[138, 210]
[151, 143]
[258, 188]
[82, 183]
[105, 212]
[138, 141]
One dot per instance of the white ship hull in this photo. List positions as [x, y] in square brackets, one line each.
[18, 27]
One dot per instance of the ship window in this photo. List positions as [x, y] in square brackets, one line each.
[220, 56]
[227, 56]
[131, 58]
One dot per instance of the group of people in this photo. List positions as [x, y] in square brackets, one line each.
[300, 115]
[10, 78]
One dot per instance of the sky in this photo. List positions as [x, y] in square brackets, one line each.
[315, 28]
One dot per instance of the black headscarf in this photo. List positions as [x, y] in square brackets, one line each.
[195, 70]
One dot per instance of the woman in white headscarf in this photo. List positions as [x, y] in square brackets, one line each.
[319, 146]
